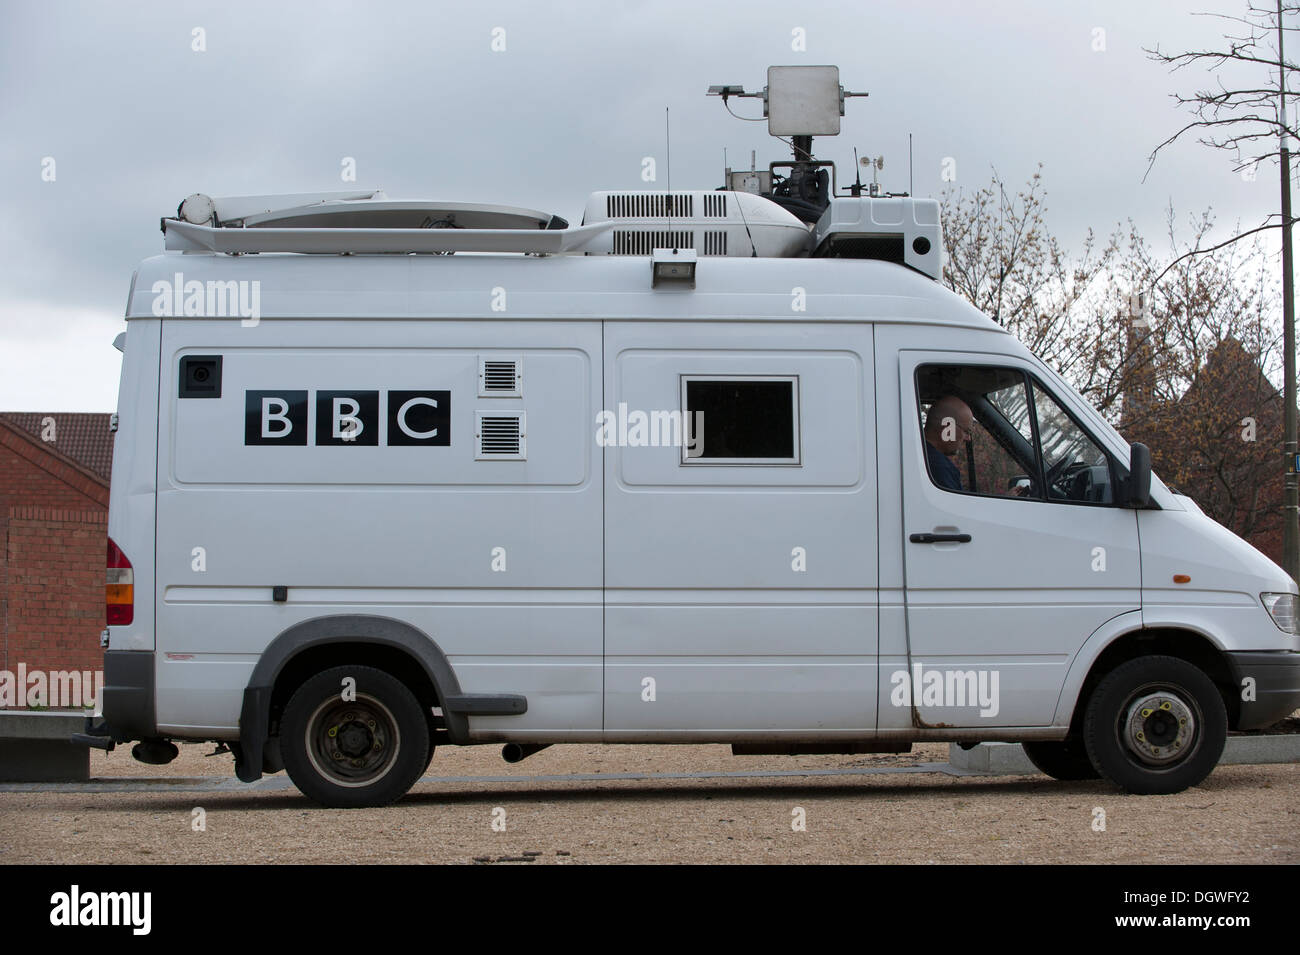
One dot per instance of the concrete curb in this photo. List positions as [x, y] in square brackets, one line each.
[34, 746]
[280, 782]
[1009, 759]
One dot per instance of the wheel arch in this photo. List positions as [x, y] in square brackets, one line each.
[396, 647]
[1124, 638]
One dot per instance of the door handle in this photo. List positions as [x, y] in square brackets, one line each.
[940, 538]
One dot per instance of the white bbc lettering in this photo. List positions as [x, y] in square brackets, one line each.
[269, 416]
[401, 418]
[346, 423]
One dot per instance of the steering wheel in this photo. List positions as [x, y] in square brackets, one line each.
[1083, 485]
[1058, 477]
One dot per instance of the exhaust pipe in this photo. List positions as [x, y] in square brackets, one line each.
[517, 752]
[155, 752]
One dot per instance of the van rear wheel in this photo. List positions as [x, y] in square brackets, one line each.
[1155, 725]
[354, 749]
[1065, 759]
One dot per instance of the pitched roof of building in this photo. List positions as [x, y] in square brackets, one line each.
[83, 437]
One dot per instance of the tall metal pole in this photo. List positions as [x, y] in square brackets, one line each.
[1291, 501]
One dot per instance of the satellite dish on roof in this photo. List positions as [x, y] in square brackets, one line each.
[197, 209]
[357, 210]
[403, 214]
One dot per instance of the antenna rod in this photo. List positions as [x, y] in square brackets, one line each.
[910, 191]
[668, 161]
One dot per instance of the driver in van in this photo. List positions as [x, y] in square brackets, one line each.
[947, 428]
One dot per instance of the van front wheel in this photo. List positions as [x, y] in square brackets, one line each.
[354, 736]
[1155, 725]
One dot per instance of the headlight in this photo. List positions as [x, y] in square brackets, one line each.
[1282, 608]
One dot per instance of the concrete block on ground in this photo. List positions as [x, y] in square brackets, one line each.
[34, 746]
[1243, 750]
[993, 759]
[1009, 759]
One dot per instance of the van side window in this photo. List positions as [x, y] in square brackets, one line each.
[997, 432]
[1076, 469]
[977, 430]
[740, 419]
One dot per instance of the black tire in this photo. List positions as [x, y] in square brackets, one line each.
[1062, 759]
[1155, 725]
[350, 754]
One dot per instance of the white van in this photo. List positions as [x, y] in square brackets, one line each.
[670, 476]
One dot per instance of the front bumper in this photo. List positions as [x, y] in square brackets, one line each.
[1269, 684]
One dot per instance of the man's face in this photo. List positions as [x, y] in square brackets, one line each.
[954, 429]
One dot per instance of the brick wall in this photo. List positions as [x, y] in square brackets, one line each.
[53, 588]
[53, 535]
[32, 476]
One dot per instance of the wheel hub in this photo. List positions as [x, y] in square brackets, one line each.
[351, 742]
[1159, 727]
[355, 739]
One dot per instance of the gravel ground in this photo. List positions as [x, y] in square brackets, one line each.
[1240, 814]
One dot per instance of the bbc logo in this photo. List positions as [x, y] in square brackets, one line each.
[347, 417]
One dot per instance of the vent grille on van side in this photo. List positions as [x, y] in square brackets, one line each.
[715, 243]
[500, 436]
[647, 205]
[715, 206]
[500, 376]
[633, 242]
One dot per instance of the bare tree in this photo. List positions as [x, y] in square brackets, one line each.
[1245, 114]
[1198, 388]
[1002, 259]
[1246, 120]
[1183, 373]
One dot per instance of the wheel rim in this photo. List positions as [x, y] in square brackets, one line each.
[1160, 725]
[353, 743]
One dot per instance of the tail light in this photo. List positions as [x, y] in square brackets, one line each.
[119, 595]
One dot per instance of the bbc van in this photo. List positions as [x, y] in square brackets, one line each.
[393, 475]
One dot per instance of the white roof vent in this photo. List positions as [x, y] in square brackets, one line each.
[711, 223]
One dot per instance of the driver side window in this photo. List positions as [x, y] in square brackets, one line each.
[997, 432]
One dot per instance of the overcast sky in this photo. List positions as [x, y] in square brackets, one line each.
[135, 119]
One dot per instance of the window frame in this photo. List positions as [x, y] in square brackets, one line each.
[1111, 463]
[1032, 385]
[704, 461]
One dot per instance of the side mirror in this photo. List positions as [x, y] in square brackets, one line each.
[1139, 477]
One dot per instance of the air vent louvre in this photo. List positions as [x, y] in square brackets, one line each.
[649, 205]
[501, 436]
[638, 242]
[715, 206]
[500, 376]
[715, 243]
